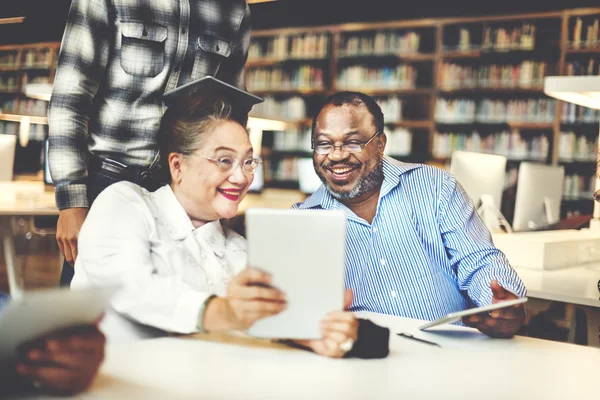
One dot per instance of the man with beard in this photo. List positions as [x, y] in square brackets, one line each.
[415, 245]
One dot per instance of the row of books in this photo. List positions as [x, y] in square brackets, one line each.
[298, 139]
[525, 75]
[24, 107]
[591, 36]
[37, 57]
[379, 43]
[391, 107]
[284, 169]
[572, 147]
[494, 111]
[291, 108]
[36, 131]
[572, 113]
[579, 68]
[579, 186]
[516, 38]
[302, 77]
[8, 83]
[464, 42]
[8, 58]
[401, 76]
[310, 45]
[399, 142]
[510, 144]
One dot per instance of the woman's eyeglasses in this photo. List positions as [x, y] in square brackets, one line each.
[228, 164]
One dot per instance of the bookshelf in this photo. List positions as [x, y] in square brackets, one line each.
[19, 66]
[444, 84]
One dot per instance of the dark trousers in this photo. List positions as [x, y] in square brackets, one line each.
[98, 180]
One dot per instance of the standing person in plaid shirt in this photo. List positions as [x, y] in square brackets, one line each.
[117, 58]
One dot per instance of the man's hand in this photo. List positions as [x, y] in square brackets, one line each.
[502, 323]
[69, 224]
[64, 362]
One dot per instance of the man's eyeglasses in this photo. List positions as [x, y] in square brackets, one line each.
[323, 148]
[227, 164]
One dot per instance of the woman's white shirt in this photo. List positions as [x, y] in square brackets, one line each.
[145, 243]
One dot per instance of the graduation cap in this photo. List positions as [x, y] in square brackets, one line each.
[213, 88]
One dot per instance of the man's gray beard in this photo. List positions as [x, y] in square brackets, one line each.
[369, 183]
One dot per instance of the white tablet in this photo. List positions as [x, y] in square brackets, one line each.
[456, 316]
[43, 311]
[305, 251]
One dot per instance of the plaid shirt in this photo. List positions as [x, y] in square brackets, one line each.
[117, 58]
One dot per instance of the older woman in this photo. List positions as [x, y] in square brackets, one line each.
[179, 269]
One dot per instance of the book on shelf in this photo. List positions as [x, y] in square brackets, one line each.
[572, 113]
[302, 77]
[379, 43]
[494, 111]
[576, 68]
[572, 147]
[401, 76]
[591, 38]
[305, 46]
[578, 186]
[399, 142]
[288, 109]
[507, 143]
[504, 39]
[528, 74]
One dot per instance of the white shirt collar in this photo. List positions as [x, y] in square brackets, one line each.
[179, 225]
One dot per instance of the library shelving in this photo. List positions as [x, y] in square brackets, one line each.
[19, 66]
[443, 84]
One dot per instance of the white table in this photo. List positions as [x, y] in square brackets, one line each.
[575, 285]
[18, 199]
[468, 366]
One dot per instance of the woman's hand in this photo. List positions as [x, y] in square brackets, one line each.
[339, 331]
[250, 297]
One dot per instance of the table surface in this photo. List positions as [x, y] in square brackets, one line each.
[26, 198]
[469, 365]
[576, 285]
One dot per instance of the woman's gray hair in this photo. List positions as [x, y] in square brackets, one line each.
[187, 121]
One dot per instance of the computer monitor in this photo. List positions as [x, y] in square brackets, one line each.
[308, 179]
[8, 144]
[539, 193]
[482, 176]
[47, 176]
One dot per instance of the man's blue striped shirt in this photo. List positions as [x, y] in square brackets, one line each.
[427, 253]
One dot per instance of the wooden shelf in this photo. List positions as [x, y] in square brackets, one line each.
[456, 54]
[291, 92]
[533, 90]
[512, 124]
[414, 124]
[387, 92]
[398, 56]
[18, 117]
[269, 62]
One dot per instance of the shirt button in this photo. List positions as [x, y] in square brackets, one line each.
[183, 31]
[374, 230]
[383, 262]
[393, 293]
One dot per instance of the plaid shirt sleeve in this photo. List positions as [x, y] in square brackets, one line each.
[81, 66]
